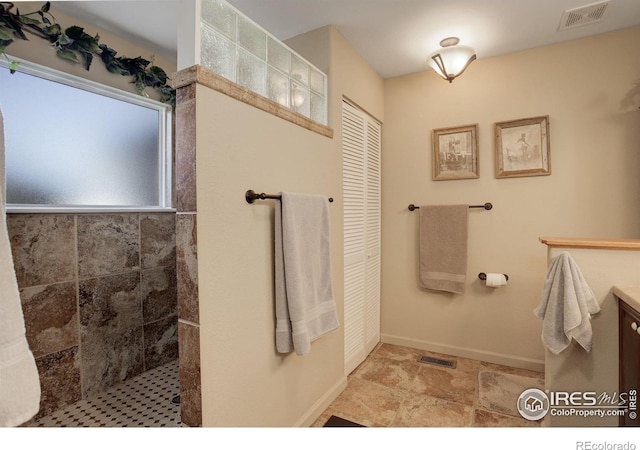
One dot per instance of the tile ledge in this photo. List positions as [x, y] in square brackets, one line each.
[205, 77]
[592, 243]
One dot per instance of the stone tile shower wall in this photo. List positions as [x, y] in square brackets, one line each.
[187, 258]
[99, 298]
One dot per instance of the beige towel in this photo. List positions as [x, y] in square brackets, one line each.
[19, 381]
[566, 306]
[443, 247]
[305, 306]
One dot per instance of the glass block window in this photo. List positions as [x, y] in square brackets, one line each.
[236, 48]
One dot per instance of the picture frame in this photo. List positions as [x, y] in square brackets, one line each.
[455, 153]
[523, 147]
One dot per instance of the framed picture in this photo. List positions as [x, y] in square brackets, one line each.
[523, 148]
[455, 153]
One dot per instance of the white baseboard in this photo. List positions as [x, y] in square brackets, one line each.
[496, 358]
[322, 404]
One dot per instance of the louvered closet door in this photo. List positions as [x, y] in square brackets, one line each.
[372, 301]
[361, 191]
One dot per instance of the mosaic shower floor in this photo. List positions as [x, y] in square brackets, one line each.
[143, 401]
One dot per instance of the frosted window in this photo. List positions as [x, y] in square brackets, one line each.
[318, 108]
[74, 148]
[251, 72]
[299, 70]
[218, 54]
[279, 56]
[220, 16]
[317, 81]
[278, 87]
[252, 38]
[300, 99]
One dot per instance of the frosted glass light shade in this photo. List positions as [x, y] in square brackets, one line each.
[450, 62]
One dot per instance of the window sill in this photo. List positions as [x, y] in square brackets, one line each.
[30, 209]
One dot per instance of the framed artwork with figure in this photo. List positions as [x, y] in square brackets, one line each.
[455, 153]
[523, 147]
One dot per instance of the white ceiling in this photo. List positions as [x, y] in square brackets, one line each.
[394, 36]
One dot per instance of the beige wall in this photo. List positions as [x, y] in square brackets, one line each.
[39, 51]
[593, 190]
[244, 381]
[349, 74]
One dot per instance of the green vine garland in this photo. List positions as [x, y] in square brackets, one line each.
[73, 44]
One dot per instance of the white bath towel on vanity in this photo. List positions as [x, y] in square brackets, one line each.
[19, 382]
[566, 306]
[305, 306]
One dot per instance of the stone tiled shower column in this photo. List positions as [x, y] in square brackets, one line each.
[186, 254]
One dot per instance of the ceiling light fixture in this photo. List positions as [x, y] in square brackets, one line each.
[452, 59]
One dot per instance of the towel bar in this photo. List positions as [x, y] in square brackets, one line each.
[483, 276]
[486, 206]
[251, 196]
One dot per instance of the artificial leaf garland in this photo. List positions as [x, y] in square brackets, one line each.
[74, 44]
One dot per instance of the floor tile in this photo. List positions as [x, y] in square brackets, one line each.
[484, 418]
[453, 385]
[393, 388]
[367, 403]
[397, 352]
[511, 370]
[389, 372]
[500, 391]
[424, 411]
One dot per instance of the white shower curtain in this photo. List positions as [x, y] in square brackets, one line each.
[19, 382]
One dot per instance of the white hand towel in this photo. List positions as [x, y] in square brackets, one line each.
[305, 306]
[566, 306]
[19, 382]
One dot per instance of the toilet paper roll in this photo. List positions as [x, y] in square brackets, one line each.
[496, 279]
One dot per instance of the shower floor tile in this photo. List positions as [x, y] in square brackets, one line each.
[143, 401]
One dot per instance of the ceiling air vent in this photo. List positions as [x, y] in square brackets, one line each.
[583, 15]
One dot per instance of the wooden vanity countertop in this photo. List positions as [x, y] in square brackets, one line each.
[605, 244]
[628, 294]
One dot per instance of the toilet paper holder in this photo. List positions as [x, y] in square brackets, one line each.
[483, 276]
